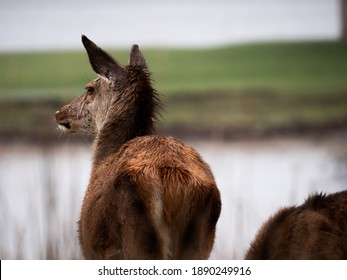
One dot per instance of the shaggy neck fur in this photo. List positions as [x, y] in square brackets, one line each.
[133, 113]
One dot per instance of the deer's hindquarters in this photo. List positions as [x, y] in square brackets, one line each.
[115, 225]
[146, 206]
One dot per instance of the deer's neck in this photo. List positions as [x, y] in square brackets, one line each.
[120, 129]
[134, 114]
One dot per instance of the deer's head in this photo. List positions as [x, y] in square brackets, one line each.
[121, 94]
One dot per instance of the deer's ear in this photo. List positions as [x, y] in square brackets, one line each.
[101, 62]
[136, 57]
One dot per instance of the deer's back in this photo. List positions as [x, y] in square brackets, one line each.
[317, 229]
[171, 183]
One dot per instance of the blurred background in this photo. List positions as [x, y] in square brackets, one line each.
[258, 87]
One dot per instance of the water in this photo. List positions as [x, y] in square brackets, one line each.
[42, 24]
[41, 190]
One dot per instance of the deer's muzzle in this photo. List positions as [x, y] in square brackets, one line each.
[61, 120]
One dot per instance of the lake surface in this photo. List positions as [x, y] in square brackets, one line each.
[42, 188]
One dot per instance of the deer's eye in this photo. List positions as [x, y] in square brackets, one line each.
[89, 90]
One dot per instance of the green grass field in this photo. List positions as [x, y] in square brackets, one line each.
[294, 67]
[258, 86]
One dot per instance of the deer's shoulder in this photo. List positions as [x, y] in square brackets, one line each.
[156, 154]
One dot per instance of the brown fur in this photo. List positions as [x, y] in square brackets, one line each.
[317, 229]
[149, 196]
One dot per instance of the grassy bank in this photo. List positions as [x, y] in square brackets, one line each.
[282, 67]
[256, 87]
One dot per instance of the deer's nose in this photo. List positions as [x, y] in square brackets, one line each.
[59, 116]
[61, 120]
[56, 115]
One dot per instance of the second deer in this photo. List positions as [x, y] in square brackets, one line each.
[317, 229]
[149, 196]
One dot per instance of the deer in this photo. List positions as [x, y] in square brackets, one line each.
[316, 229]
[149, 196]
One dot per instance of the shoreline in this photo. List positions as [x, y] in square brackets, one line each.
[224, 135]
[33, 122]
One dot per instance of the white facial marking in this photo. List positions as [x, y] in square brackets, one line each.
[63, 128]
